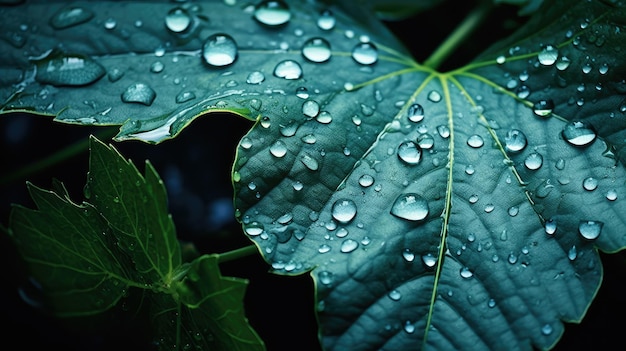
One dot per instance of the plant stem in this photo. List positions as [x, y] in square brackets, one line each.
[471, 22]
[59, 156]
[237, 253]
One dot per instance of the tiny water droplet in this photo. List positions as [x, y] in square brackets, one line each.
[365, 53]
[546, 329]
[515, 141]
[550, 226]
[139, 93]
[219, 50]
[366, 180]
[344, 210]
[255, 77]
[409, 327]
[316, 50]
[443, 131]
[395, 295]
[572, 253]
[543, 108]
[288, 69]
[272, 13]
[349, 245]
[408, 255]
[590, 230]
[324, 248]
[410, 206]
[325, 277]
[579, 133]
[466, 273]
[475, 141]
[533, 161]
[434, 96]
[611, 195]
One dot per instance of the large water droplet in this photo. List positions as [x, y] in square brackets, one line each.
[349, 245]
[60, 69]
[579, 133]
[288, 69]
[515, 141]
[219, 50]
[415, 113]
[410, 152]
[178, 20]
[410, 206]
[590, 230]
[272, 13]
[548, 55]
[365, 53]
[343, 210]
[139, 93]
[70, 16]
[533, 161]
[316, 50]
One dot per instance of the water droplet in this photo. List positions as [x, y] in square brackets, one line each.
[409, 327]
[429, 260]
[513, 211]
[302, 92]
[326, 20]
[316, 50]
[590, 230]
[365, 53]
[546, 329]
[562, 63]
[533, 161]
[550, 226]
[139, 93]
[309, 139]
[611, 195]
[349, 245]
[604, 68]
[434, 96]
[110, 23]
[70, 16]
[310, 108]
[324, 248]
[410, 206]
[410, 153]
[572, 253]
[395, 295]
[366, 180]
[157, 67]
[466, 273]
[185, 96]
[324, 117]
[278, 149]
[560, 164]
[344, 210]
[473, 198]
[475, 141]
[288, 69]
[415, 113]
[443, 131]
[590, 184]
[254, 228]
[177, 20]
[255, 77]
[579, 133]
[515, 141]
[219, 50]
[543, 108]
[523, 91]
[548, 55]
[325, 277]
[60, 69]
[272, 13]
[408, 255]
[425, 141]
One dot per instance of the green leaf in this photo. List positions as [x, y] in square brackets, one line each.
[87, 257]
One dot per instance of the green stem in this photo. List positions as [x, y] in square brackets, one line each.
[238, 253]
[57, 157]
[471, 22]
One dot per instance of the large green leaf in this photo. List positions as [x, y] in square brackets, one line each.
[87, 257]
[474, 224]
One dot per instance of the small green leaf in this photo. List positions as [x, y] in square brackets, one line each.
[87, 257]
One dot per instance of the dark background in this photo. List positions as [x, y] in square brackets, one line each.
[196, 168]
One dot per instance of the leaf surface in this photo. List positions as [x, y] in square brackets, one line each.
[88, 257]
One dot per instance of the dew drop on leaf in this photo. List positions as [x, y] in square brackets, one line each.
[429, 260]
[185, 96]
[324, 117]
[344, 210]
[139, 93]
[410, 152]
[543, 108]
[325, 277]
[395, 295]
[434, 96]
[590, 183]
[219, 50]
[410, 206]
[326, 20]
[366, 180]
[590, 230]
[562, 63]
[310, 108]
[515, 141]
[272, 13]
[60, 69]
[550, 226]
[254, 228]
[426, 141]
[546, 329]
[288, 69]
[70, 16]
[324, 248]
[415, 113]
[177, 20]
[278, 149]
[302, 92]
[466, 273]
[611, 195]
[572, 253]
[548, 55]
[365, 53]
[475, 141]
[443, 131]
[349, 245]
[316, 50]
[533, 161]
[255, 77]
[408, 255]
[579, 133]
